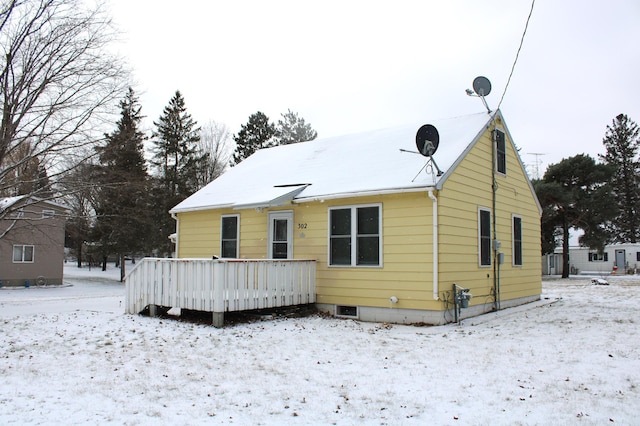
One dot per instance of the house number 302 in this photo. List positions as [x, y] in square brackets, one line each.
[302, 226]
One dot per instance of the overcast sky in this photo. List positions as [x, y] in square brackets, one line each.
[350, 66]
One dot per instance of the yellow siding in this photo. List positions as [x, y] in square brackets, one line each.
[406, 270]
[406, 255]
[468, 189]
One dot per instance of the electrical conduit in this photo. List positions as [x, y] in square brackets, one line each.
[434, 203]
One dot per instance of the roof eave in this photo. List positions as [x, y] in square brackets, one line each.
[341, 195]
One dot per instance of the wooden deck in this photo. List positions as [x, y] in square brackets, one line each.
[220, 285]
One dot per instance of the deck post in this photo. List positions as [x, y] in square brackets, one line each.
[153, 310]
[217, 319]
[219, 287]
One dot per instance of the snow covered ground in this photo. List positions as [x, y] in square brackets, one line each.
[70, 355]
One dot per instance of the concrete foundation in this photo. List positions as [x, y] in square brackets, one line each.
[416, 316]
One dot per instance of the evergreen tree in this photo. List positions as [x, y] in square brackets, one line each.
[574, 194]
[25, 174]
[178, 160]
[122, 224]
[258, 133]
[176, 153]
[293, 129]
[622, 142]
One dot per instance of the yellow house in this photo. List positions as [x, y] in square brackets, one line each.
[396, 236]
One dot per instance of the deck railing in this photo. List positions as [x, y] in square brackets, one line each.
[219, 285]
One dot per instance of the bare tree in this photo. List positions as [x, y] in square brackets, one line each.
[80, 194]
[58, 85]
[215, 140]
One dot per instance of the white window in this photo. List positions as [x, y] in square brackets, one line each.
[484, 237]
[23, 253]
[355, 236]
[48, 214]
[517, 241]
[598, 257]
[229, 236]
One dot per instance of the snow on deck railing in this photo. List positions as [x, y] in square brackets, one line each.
[219, 285]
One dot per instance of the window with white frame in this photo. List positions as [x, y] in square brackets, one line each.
[517, 241]
[48, 214]
[23, 253]
[598, 257]
[501, 152]
[355, 236]
[229, 236]
[484, 236]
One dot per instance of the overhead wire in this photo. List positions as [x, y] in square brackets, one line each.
[533, 2]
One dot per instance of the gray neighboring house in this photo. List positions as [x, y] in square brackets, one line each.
[31, 241]
[617, 259]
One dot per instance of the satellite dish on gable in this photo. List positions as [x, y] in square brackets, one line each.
[482, 86]
[427, 140]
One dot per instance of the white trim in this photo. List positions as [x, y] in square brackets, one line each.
[222, 217]
[488, 210]
[33, 253]
[200, 208]
[323, 198]
[176, 235]
[281, 214]
[354, 235]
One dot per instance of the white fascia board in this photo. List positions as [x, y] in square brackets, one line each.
[199, 208]
[362, 194]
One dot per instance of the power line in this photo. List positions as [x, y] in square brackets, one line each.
[533, 2]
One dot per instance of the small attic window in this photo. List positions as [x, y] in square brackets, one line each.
[48, 214]
[501, 152]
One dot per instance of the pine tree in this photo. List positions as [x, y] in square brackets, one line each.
[293, 129]
[178, 160]
[622, 143]
[176, 153]
[122, 224]
[574, 194]
[25, 174]
[258, 133]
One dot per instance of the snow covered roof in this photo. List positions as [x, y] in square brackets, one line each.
[358, 164]
[7, 202]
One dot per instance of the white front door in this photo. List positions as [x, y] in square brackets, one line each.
[552, 264]
[621, 261]
[281, 235]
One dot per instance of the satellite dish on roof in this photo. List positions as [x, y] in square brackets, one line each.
[427, 140]
[482, 86]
